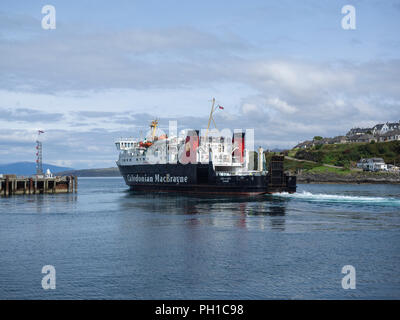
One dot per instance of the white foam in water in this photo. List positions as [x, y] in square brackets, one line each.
[305, 195]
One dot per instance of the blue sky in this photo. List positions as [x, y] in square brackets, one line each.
[285, 68]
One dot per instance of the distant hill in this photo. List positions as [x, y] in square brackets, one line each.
[28, 168]
[104, 172]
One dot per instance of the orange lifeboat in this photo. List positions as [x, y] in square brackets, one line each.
[145, 144]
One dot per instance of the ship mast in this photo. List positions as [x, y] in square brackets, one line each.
[211, 118]
[153, 127]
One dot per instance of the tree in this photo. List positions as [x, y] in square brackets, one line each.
[318, 138]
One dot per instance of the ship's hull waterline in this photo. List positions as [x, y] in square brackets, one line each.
[199, 179]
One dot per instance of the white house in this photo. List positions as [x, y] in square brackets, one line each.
[382, 128]
[372, 164]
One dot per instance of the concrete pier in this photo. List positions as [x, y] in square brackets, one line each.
[12, 185]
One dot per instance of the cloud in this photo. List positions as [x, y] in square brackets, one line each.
[97, 114]
[134, 58]
[281, 105]
[28, 115]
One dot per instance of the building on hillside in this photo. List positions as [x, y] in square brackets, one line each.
[339, 139]
[359, 131]
[393, 135]
[383, 128]
[321, 141]
[304, 145]
[308, 143]
[372, 164]
[393, 168]
[365, 138]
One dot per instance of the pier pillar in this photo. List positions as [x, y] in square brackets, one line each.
[7, 190]
[70, 186]
[75, 184]
[260, 159]
[30, 185]
[25, 186]
[35, 188]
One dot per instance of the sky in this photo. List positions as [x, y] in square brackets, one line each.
[286, 69]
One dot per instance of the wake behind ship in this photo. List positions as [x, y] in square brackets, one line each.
[199, 163]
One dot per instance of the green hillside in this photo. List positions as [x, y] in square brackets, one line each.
[347, 155]
[318, 159]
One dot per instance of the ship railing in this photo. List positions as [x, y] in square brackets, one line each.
[131, 140]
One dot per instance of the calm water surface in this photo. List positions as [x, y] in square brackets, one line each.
[106, 242]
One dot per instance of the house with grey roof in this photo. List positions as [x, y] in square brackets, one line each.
[359, 131]
[339, 139]
[365, 138]
[382, 128]
[372, 164]
[393, 135]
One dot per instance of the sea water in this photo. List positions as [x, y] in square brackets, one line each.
[108, 243]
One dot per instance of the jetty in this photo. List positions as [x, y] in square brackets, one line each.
[11, 185]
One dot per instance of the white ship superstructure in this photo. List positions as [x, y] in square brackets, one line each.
[227, 154]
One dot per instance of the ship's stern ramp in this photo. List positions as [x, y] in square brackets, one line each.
[278, 181]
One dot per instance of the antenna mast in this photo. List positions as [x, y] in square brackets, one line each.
[39, 163]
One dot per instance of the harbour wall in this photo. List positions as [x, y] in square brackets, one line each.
[12, 185]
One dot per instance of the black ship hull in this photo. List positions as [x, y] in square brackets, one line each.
[202, 179]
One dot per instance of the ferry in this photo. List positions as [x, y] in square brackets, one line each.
[199, 163]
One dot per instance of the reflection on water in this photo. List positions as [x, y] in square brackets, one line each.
[41, 203]
[214, 210]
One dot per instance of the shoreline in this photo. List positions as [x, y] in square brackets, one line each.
[352, 178]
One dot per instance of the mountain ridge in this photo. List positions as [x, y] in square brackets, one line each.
[26, 168]
[99, 172]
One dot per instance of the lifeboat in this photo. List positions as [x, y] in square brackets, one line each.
[145, 144]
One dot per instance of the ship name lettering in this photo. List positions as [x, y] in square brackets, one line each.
[168, 179]
[137, 178]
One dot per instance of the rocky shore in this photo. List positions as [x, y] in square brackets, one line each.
[353, 177]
